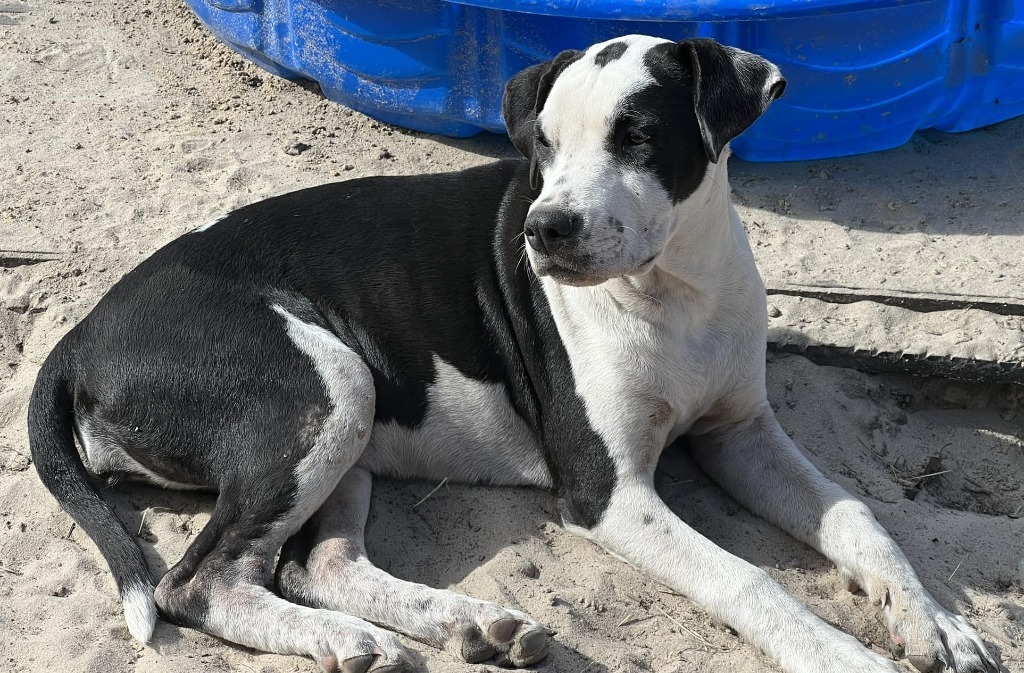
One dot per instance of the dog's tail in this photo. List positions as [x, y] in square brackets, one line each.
[51, 437]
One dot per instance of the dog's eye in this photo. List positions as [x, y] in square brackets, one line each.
[542, 139]
[637, 137]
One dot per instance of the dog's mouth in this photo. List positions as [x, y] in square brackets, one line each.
[566, 276]
[566, 273]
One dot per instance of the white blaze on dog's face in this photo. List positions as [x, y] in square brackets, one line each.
[622, 135]
[595, 172]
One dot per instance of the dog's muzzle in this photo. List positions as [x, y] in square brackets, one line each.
[549, 231]
[559, 247]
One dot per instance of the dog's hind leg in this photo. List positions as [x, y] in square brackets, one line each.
[265, 495]
[220, 587]
[758, 464]
[326, 566]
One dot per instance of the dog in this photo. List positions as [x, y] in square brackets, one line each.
[554, 322]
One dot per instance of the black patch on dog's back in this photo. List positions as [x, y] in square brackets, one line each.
[612, 52]
[384, 278]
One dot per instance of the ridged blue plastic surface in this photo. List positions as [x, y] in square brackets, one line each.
[863, 74]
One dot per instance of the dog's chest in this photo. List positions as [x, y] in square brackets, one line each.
[645, 382]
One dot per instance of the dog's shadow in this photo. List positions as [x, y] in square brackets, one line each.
[164, 523]
[486, 144]
[481, 541]
[444, 544]
[705, 506]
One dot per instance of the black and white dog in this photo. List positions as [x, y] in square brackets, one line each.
[393, 326]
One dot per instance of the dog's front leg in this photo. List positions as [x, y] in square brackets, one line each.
[758, 464]
[639, 528]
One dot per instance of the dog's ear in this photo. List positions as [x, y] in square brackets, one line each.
[525, 95]
[731, 89]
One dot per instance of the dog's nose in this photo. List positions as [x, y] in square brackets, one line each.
[548, 230]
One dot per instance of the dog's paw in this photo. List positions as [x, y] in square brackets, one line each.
[937, 641]
[371, 651]
[510, 637]
[931, 638]
[529, 645]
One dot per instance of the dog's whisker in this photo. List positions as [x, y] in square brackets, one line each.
[525, 259]
[522, 258]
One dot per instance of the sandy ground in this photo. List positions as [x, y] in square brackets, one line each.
[123, 125]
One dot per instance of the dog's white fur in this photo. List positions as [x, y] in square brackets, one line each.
[107, 457]
[464, 415]
[349, 386]
[687, 339]
[139, 611]
[209, 223]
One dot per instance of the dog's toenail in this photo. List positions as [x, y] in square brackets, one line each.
[501, 631]
[532, 643]
[359, 664]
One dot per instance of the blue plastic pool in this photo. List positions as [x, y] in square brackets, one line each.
[863, 75]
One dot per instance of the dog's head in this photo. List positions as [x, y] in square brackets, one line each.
[621, 135]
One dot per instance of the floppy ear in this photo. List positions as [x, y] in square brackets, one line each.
[731, 89]
[525, 95]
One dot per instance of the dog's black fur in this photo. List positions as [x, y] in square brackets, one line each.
[186, 367]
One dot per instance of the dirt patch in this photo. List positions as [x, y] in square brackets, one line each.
[975, 467]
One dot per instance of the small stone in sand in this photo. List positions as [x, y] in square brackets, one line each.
[296, 149]
[528, 569]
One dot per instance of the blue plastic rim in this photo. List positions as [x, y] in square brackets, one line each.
[863, 75]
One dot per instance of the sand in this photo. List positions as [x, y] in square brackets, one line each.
[125, 124]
